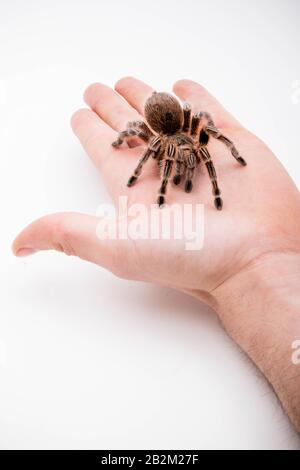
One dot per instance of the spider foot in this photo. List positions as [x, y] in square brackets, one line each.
[236, 154]
[218, 203]
[177, 179]
[131, 180]
[242, 161]
[188, 186]
[161, 200]
[117, 143]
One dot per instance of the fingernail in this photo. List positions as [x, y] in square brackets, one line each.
[25, 252]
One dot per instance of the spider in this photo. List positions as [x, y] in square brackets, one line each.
[179, 137]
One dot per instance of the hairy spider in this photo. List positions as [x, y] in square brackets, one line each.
[179, 137]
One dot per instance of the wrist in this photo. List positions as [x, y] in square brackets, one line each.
[260, 309]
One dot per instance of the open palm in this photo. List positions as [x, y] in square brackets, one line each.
[260, 210]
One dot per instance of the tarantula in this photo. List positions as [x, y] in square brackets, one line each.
[179, 137]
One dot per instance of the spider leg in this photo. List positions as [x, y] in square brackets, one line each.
[180, 168]
[152, 150]
[134, 128]
[213, 177]
[171, 151]
[142, 127]
[195, 123]
[214, 132]
[203, 135]
[191, 165]
[186, 117]
[207, 117]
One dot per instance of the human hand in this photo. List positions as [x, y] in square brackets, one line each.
[249, 267]
[261, 203]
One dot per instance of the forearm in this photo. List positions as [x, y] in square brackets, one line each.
[260, 309]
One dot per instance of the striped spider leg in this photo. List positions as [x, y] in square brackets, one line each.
[205, 156]
[134, 128]
[180, 167]
[211, 130]
[191, 163]
[152, 150]
[166, 165]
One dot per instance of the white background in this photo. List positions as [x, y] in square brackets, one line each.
[88, 360]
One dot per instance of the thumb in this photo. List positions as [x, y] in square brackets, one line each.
[74, 234]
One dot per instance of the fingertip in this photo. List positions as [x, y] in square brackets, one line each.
[23, 252]
[15, 247]
[89, 91]
[124, 83]
[19, 244]
[185, 84]
[180, 84]
[20, 249]
[94, 92]
[50, 232]
[79, 117]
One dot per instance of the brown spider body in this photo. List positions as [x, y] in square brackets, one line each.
[179, 138]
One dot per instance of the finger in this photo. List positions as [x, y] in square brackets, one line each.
[202, 100]
[135, 92]
[96, 138]
[111, 107]
[74, 234]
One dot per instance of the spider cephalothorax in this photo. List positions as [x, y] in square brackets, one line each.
[178, 138]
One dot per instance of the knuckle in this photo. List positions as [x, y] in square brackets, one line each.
[62, 236]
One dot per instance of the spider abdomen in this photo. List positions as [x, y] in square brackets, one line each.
[163, 113]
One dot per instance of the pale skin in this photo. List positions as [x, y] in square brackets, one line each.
[249, 268]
